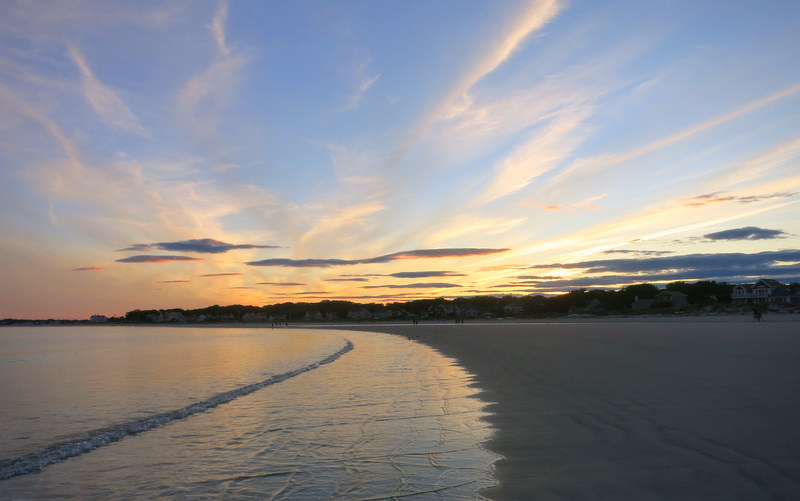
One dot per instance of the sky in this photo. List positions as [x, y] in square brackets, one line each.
[181, 154]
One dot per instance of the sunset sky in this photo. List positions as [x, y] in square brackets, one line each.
[190, 153]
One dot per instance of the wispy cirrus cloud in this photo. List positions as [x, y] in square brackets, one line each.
[282, 284]
[746, 233]
[89, 268]
[720, 197]
[637, 252]
[365, 81]
[218, 27]
[588, 170]
[211, 275]
[156, 259]
[174, 281]
[104, 101]
[575, 208]
[531, 19]
[542, 153]
[413, 254]
[203, 245]
[204, 95]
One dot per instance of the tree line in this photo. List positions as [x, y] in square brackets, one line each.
[599, 301]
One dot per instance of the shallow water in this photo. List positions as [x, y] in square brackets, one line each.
[388, 418]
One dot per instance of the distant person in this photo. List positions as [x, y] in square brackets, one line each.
[757, 316]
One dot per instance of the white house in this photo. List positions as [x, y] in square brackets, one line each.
[359, 314]
[765, 290]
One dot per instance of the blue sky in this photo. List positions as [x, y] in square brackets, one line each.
[182, 154]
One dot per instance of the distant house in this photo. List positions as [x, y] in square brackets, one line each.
[765, 291]
[513, 309]
[383, 315]
[359, 314]
[467, 312]
[254, 317]
[98, 319]
[166, 317]
[442, 310]
[278, 317]
[642, 304]
[674, 298]
[313, 316]
[594, 305]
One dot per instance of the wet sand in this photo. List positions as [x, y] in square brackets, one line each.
[679, 409]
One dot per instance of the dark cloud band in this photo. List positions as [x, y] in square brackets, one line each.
[746, 233]
[411, 286]
[413, 254]
[733, 262]
[156, 259]
[201, 245]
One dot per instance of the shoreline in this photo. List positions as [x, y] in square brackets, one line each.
[697, 408]
[637, 407]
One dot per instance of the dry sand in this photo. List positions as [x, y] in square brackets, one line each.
[679, 410]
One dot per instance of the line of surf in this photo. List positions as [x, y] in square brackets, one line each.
[37, 461]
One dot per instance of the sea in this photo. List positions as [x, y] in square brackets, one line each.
[125, 412]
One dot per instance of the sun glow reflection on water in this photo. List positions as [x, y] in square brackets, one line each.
[389, 418]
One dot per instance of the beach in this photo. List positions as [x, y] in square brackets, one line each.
[675, 408]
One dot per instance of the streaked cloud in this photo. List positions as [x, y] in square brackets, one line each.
[532, 18]
[566, 131]
[746, 233]
[203, 245]
[617, 281]
[545, 151]
[638, 252]
[104, 101]
[156, 259]
[720, 197]
[585, 170]
[218, 28]
[574, 208]
[174, 281]
[438, 285]
[365, 80]
[728, 264]
[205, 95]
[528, 21]
[413, 254]
[425, 274]
[410, 274]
